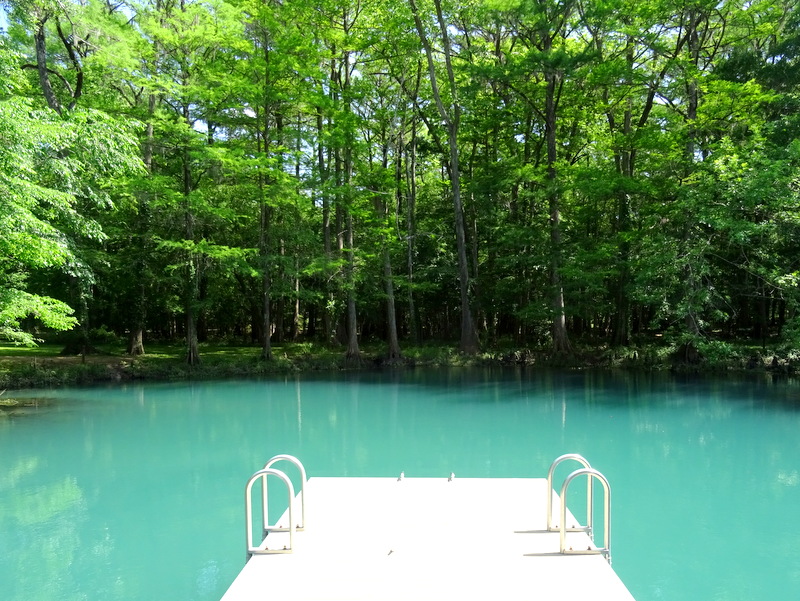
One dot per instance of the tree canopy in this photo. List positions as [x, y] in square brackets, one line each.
[472, 170]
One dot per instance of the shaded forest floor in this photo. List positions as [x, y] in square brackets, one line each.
[45, 367]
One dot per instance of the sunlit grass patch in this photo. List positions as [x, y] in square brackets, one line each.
[42, 350]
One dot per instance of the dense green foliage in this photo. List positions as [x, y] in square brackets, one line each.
[343, 171]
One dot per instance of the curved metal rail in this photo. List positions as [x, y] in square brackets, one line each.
[589, 496]
[605, 550]
[248, 507]
[296, 462]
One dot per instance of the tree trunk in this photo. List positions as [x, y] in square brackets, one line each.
[190, 307]
[451, 118]
[192, 280]
[295, 328]
[620, 327]
[561, 344]
[266, 344]
[469, 337]
[411, 231]
[353, 353]
[327, 311]
[391, 313]
[40, 44]
[136, 338]
[691, 283]
[136, 342]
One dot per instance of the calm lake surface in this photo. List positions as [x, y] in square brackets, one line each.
[134, 492]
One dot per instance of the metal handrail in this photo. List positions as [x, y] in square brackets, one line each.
[589, 496]
[606, 549]
[303, 479]
[248, 507]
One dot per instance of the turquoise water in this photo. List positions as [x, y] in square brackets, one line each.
[134, 492]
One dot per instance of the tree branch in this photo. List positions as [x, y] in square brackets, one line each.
[41, 66]
[73, 57]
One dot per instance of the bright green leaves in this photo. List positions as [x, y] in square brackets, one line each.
[56, 174]
[16, 305]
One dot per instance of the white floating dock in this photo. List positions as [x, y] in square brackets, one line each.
[426, 539]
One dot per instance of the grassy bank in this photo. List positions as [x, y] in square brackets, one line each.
[44, 366]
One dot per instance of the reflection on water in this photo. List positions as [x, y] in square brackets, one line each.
[44, 513]
[135, 492]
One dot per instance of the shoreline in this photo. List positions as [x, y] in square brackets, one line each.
[20, 371]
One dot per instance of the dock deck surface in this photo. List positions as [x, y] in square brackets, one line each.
[426, 539]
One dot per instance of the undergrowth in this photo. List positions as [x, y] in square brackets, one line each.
[43, 367]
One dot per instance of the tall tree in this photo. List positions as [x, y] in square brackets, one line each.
[450, 115]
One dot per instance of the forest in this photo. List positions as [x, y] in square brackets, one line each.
[538, 172]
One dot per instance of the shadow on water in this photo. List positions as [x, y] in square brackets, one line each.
[500, 384]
